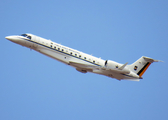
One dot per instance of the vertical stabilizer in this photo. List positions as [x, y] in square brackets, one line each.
[141, 65]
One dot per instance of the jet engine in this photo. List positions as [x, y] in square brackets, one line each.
[111, 64]
[116, 67]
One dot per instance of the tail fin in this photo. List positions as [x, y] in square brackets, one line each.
[141, 65]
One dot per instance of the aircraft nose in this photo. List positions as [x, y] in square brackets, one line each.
[11, 38]
[8, 37]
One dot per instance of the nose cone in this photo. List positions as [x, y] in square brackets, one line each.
[12, 38]
[9, 37]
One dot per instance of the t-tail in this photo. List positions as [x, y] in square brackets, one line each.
[141, 65]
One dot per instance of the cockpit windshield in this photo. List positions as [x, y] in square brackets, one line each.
[25, 35]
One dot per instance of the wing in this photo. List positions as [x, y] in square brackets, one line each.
[82, 67]
[90, 68]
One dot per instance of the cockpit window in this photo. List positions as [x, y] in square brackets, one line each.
[29, 37]
[24, 35]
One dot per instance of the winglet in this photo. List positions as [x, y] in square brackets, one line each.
[123, 66]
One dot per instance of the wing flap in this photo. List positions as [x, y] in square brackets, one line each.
[81, 65]
[84, 68]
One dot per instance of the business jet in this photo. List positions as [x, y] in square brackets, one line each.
[83, 62]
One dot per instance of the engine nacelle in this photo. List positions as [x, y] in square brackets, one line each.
[111, 64]
[117, 67]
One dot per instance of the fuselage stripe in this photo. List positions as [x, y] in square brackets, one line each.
[142, 71]
[61, 52]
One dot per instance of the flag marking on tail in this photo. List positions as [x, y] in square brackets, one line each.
[142, 71]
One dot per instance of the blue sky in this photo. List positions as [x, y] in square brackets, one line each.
[33, 86]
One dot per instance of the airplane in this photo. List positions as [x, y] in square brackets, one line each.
[83, 62]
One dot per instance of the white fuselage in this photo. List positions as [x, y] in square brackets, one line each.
[79, 60]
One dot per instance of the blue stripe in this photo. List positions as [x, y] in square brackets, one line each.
[60, 51]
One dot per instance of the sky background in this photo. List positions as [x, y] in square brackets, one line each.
[36, 87]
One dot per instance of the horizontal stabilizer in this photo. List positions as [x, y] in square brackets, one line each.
[123, 66]
[151, 60]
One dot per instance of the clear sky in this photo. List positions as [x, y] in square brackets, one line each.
[36, 87]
